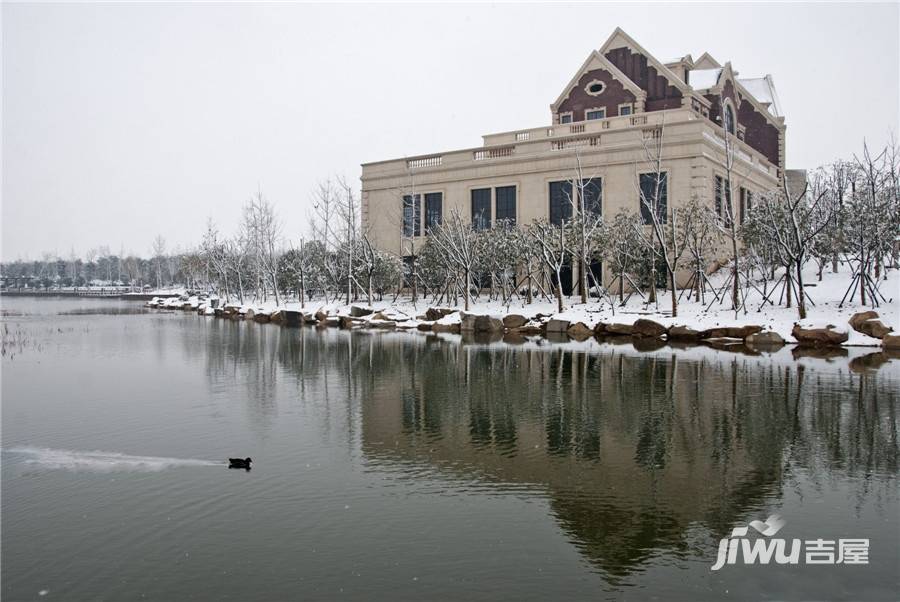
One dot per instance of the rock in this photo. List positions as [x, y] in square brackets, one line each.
[530, 329]
[488, 324]
[250, 313]
[433, 314]
[425, 326]
[514, 321]
[277, 316]
[261, 318]
[600, 329]
[730, 332]
[291, 318]
[874, 328]
[358, 311]
[729, 344]
[764, 339]
[619, 329]
[819, 337]
[647, 328]
[860, 317]
[383, 324]
[321, 316]
[891, 341]
[683, 333]
[556, 326]
[466, 322]
[452, 328]
[514, 338]
[348, 322]
[579, 331]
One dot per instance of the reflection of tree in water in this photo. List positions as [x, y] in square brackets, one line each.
[632, 450]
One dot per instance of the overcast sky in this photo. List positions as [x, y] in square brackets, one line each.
[121, 122]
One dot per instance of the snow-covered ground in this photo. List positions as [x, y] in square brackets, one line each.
[826, 295]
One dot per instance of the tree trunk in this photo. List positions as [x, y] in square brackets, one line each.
[801, 296]
[674, 294]
[468, 285]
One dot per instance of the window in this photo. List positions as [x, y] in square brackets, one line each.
[560, 202]
[433, 210]
[723, 197]
[506, 203]
[412, 215]
[565, 118]
[729, 118]
[595, 114]
[595, 87]
[649, 197]
[625, 109]
[481, 209]
[593, 196]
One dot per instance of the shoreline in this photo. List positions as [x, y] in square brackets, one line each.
[646, 330]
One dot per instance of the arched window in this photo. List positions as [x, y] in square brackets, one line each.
[729, 118]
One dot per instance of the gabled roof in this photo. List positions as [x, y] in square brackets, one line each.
[706, 61]
[620, 39]
[595, 60]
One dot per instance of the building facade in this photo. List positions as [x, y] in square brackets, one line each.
[619, 99]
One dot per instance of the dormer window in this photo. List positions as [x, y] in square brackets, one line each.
[592, 114]
[565, 117]
[595, 87]
[625, 109]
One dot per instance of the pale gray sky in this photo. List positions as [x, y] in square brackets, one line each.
[124, 121]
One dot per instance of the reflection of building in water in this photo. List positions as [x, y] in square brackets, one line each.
[632, 450]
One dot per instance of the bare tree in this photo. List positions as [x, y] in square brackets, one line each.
[457, 240]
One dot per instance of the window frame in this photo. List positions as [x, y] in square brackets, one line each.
[515, 217]
[601, 110]
[563, 218]
[569, 114]
[416, 217]
[426, 223]
[626, 105]
[481, 224]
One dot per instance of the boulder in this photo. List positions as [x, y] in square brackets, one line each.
[579, 331]
[514, 321]
[730, 332]
[321, 316]
[647, 328]
[874, 328]
[434, 314]
[819, 337]
[619, 329]
[250, 313]
[600, 329]
[683, 333]
[529, 329]
[860, 317]
[466, 322]
[557, 326]
[891, 341]
[291, 318]
[425, 326]
[452, 328]
[383, 324]
[764, 339]
[348, 322]
[261, 318]
[277, 316]
[488, 324]
[357, 311]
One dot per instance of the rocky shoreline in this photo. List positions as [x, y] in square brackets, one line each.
[515, 327]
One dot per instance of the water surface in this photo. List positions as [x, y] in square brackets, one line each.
[408, 467]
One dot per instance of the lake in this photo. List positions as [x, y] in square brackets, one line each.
[401, 466]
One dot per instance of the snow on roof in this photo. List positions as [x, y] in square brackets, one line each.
[701, 79]
[763, 90]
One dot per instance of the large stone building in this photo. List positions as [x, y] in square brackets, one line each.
[621, 97]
